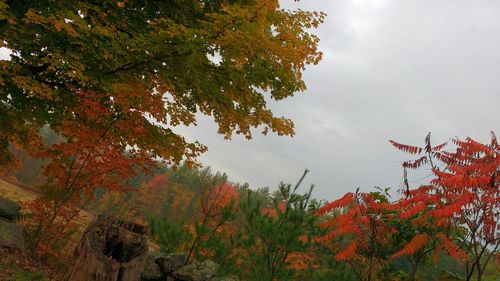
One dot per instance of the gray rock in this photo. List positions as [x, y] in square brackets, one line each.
[170, 262]
[9, 210]
[197, 271]
[11, 235]
[150, 269]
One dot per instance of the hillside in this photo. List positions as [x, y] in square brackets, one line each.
[15, 193]
[23, 195]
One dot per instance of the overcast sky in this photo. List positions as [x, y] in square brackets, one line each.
[391, 70]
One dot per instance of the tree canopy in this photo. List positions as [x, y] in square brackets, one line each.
[127, 72]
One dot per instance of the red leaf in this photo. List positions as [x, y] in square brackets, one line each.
[406, 148]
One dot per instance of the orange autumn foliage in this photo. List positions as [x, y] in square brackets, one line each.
[348, 253]
[415, 244]
[302, 260]
[464, 192]
[273, 211]
[362, 219]
[451, 248]
[218, 198]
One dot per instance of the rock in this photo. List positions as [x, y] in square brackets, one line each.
[170, 262]
[158, 265]
[9, 210]
[11, 235]
[151, 271]
[197, 271]
[110, 249]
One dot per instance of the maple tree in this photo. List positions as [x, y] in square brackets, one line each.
[151, 61]
[90, 157]
[465, 194]
[112, 79]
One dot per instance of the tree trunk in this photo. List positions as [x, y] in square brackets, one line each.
[110, 250]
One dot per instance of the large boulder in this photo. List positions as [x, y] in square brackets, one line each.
[11, 235]
[197, 271]
[9, 210]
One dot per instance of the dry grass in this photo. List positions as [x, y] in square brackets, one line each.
[23, 195]
[16, 193]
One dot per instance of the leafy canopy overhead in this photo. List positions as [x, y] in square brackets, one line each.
[132, 70]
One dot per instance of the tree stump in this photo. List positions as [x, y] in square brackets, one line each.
[110, 250]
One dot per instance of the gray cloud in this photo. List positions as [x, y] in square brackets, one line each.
[391, 70]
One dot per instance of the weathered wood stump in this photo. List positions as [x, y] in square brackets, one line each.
[110, 250]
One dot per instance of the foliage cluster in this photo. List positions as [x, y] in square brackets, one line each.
[285, 235]
[457, 214]
[113, 78]
[110, 80]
